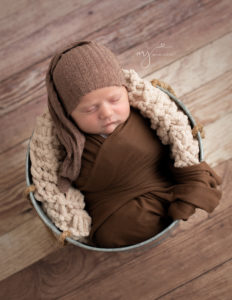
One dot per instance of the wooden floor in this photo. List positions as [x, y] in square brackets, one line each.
[184, 43]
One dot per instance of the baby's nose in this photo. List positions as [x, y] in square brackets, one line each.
[105, 112]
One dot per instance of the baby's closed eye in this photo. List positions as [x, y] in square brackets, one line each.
[91, 109]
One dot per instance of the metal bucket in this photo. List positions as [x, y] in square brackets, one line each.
[149, 243]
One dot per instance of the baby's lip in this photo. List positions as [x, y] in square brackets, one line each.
[109, 124]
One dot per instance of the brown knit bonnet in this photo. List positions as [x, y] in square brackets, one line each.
[78, 69]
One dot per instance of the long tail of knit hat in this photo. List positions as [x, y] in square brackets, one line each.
[76, 70]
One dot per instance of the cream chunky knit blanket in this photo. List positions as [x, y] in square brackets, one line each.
[67, 211]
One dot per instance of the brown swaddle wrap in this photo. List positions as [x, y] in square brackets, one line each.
[132, 191]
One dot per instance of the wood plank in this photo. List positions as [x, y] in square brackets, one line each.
[211, 104]
[167, 46]
[74, 273]
[151, 19]
[29, 84]
[203, 71]
[195, 262]
[15, 209]
[50, 32]
[211, 100]
[9, 10]
[197, 68]
[20, 123]
[33, 232]
[25, 245]
[218, 145]
[40, 15]
[13, 162]
[15, 216]
[215, 284]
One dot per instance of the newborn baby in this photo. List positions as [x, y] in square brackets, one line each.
[126, 190]
[118, 184]
[132, 190]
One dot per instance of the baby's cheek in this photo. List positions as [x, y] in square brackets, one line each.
[92, 121]
[126, 112]
[81, 123]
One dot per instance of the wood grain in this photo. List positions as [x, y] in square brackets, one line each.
[191, 42]
[195, 247]
[176, 74]
[210, 23]
[214, 284]
[76, 24]
[40, 237]
[25, 83]
[198, 67]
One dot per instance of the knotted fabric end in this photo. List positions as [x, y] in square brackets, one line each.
[62, 238]
[196, 128]
[28, 189]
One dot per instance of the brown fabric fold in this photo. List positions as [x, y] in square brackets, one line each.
[196, 186]
[131, 190]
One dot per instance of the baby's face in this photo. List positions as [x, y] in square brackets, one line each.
[102, 110]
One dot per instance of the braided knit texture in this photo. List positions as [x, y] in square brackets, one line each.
[67, 210]
[170, 122]
[46, 153]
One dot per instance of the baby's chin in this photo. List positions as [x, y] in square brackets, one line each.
[109, 129]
